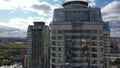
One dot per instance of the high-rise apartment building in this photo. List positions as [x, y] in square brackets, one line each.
[79, 37]
[38, 43]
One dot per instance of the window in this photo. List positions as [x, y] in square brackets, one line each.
[70, 16]
[101, 37]
[58, 15]
[94, 55]
[94, 31]
[101, 31]
[60, 31]
[53, 54]
[59, 54]
[101, 43]
[83, 15]
[68, 36]
[94, 49]
[59, 49]
[94, 61]
[101, 49]
[53, 49]
[53, 37]
[59, 60]
[53, 31]
[59, 43]
[29, 49]
[78, 67]
[53, 43]
[77, 61]
[53, 60]
[95, 15]
[73, 42]
[53, 66]
[77, 15]
[94, 66]
[59, 37]
[94, 37]
[94, 44]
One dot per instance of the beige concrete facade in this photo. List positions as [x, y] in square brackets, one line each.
[93, 61]
[78, 41]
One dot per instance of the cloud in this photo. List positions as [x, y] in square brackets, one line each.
[43, 8]
[111, 13]
[19, 23]
[13, 4]
[6, 31]
[17, 27]
[22, 23]
[20, 33]
[92, 2]
[55, 0]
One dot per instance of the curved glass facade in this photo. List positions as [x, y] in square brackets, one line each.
[59, 15]
[89, 15]
[95, 15]
[77, 16]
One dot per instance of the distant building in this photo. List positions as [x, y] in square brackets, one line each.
[115, 45]
[79, 37]
[38, 43]
[24, 58]
[6, 40]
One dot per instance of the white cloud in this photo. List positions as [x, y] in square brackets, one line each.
[18, 22]
[111, 13]
[22, 23]
[12, 4]
[20, 33]
[43, 8]
[92, 3]
[111, 10]
[6, 31]
[55, 0]
[17, 27]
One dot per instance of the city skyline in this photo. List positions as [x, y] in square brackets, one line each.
[16, 15]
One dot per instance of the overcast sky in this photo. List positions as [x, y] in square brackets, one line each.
[16, 15]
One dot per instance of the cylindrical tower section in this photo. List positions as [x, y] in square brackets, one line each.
[75, 4]
[37, 23]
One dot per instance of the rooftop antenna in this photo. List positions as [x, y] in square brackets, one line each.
[88, 1]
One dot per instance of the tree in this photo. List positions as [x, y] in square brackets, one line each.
[7, 62]
[117, 62]
[8, 51]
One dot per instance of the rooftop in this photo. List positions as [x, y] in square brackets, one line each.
[75, 2]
